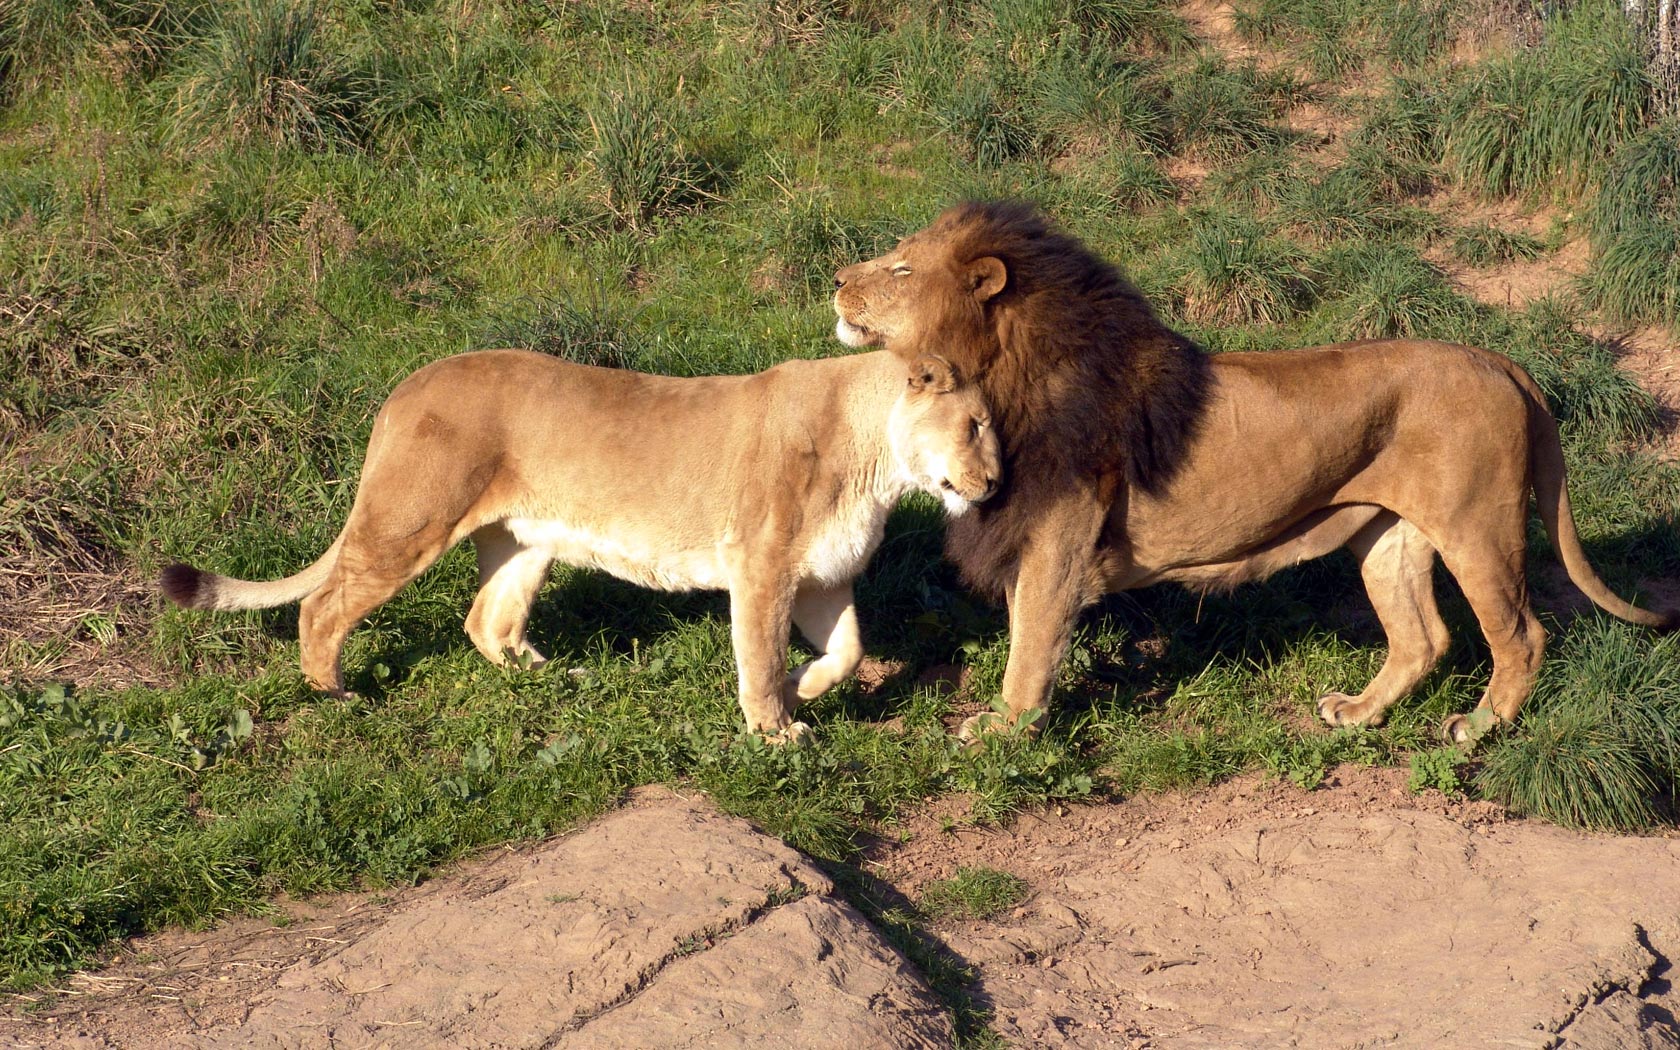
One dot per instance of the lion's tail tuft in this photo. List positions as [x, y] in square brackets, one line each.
[181, 584]
[193, 588]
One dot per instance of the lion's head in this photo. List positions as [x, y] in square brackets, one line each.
[940, 432]
[1083, 379]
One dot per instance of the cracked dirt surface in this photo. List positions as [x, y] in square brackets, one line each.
[1250, 914]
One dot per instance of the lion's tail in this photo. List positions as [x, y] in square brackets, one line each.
[195, 589]
[1551, 496]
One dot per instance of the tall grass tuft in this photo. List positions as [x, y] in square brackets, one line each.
[1545, 119]
[268, 71]
[1591, 396]
[1352, 202]
[1220, 112]
[1599, 746]
[645, 169]
[1085, 25]
[1483, 244]
[1634, 227]
[1130, 181]
[1390, 291]
[590, 332]
[1405, 121]
[987, 124]
[1238, 274]
[1089, 101]
[39, 37]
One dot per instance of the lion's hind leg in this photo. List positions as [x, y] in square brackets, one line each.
[827, 617]
[509, 576]
[1397, 564]
[1493, 577]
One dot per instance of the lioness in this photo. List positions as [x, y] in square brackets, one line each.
[774, 486]
[1134, 458]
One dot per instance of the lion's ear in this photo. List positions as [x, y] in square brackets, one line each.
[987, 276]
[934, 374]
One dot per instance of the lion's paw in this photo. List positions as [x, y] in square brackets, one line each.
[975, 728]
[1340, 709]
[1466, 730]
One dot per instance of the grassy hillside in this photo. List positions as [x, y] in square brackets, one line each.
[228, 229]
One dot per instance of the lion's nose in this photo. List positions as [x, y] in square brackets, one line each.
[842, 275]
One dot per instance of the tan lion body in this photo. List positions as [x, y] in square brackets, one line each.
[774, 486]
[1398, 450]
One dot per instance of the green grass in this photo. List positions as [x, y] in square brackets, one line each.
[1634, 225]
[1542, 120]
[1484, 245]
[972, 893]
[227, 231]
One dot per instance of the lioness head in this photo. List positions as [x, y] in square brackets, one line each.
[932, 288]
[941, 436]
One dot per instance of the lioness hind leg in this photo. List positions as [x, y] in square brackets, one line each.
[1494, 580]
[366, 576]
[827, 617]
[1397, 564]
[509, 576]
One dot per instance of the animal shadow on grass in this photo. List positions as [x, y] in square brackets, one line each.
[1168, 634]
[916, 615]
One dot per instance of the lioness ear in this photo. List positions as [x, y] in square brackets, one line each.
[987, 276]
[934, 374]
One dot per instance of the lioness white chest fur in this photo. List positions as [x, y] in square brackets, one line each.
[774, 486]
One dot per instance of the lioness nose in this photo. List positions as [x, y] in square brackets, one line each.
[842, 275]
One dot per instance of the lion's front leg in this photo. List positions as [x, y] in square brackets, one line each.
[760, 615]
[1056, 577]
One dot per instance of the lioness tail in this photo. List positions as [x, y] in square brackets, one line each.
[1551, 498]
[196, 589]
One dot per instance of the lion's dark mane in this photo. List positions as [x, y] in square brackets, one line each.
[1087, 386]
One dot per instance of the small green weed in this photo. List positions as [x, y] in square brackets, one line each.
[1436, 769]
[972, 893]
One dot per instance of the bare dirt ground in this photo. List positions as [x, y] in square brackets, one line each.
[1255, 914]
[1252, 914]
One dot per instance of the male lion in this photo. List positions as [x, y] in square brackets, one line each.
[774, 486]
[1135, 458]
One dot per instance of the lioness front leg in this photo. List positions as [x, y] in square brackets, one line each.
[827, 617]
[760, 616]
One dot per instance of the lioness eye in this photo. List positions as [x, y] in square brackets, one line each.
[901, 270]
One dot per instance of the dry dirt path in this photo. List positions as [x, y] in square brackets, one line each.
[1251, 914]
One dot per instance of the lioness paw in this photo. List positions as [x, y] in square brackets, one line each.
[794, 733]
